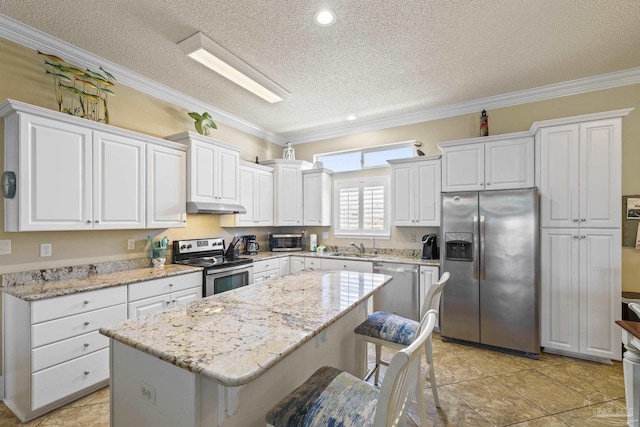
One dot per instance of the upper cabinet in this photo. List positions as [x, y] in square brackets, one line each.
[415, 184]
[287, 190]
[75, 174]
[212, 169]
[256, 196]
[580, 178]
[489, 163]
[316, 195]
[166, 187]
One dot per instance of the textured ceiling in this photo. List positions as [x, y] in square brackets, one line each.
[380, 59]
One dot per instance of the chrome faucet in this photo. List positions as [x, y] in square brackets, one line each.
[359, 248]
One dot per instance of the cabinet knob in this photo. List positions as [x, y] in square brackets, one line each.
[86, 323]
[482, 183]
[583, 219]
[171, 285]
[488, 183]
[86, 301]
[575, 237]
[173, 301]
[88, 221]
[86, 372]
[86, 344]
[575, 219]
[583, 237]
[96, 221]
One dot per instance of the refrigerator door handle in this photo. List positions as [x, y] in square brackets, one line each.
[482, 257]
[475, 246]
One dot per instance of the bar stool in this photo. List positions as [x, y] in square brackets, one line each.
[386, 329]
[332, 397]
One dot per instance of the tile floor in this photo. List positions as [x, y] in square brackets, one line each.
[477, 388]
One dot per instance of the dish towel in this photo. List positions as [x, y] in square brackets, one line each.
[638, 237]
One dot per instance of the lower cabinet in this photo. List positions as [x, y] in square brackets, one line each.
[266, 270]
[312, 263]
[347, 265]
[580, 291]
[158, 294]
[53, 350]
[285, 265]
[428, 276]
[297, 264]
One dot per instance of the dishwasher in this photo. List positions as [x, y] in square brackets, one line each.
[400, 296]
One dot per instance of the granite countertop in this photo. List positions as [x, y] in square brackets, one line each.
[56, 288]
[234, 337]
[415, 260]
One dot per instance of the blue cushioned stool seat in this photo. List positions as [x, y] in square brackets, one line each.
[389, 327]
[329, 397]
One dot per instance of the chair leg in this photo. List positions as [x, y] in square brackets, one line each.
[378, 363]
[420, 399]
[431, 372]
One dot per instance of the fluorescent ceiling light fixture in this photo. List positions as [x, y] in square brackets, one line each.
[325, 17]
[351, 117]
[212, 55]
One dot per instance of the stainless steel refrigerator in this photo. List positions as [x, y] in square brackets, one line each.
[489, 244]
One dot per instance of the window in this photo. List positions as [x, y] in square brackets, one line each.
[353, 160]
[361, 206]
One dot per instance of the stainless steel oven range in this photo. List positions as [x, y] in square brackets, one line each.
[220, 273]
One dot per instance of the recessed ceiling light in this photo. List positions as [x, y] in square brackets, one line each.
[325, 17]
[351, 117]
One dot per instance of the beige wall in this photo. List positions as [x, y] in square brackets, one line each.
[22, 78]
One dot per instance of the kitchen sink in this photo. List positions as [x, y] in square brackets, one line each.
[351, 255]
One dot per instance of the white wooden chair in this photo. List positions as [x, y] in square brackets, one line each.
[333, 397]
[385, 329]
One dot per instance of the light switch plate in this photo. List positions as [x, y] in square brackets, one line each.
[5, 247]
[131, 244]
[325, 234]
[46, 249]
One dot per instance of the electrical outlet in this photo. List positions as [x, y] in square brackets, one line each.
[5, 247]
[413, 237]
[46, 249]
[131, 244]
[325, 234]
[148, 393]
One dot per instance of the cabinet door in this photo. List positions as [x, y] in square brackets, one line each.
[559, 174]
[463, 168]
[185, 296]
[600, 292]
[226, 176]
[297, 264]
[402, 182]
[285, 266]
[312, 263]
[264, 198]
[289, 195]
[347, 265]
[119, 182]
[166, 187]
[600, 174]
[428, 276]
[248, 197]
[148, 306]
[202, 162]
[427, 193]
[312, 198]
[560, 290]
[55, 175]
[509, 164]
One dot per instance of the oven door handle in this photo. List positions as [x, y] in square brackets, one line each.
[218, 271]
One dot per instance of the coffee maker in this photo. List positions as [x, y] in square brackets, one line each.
[430, 246]
[250, 244]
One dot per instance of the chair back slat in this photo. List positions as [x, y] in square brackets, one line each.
[400, 378]
[635, 307]
[432, 299]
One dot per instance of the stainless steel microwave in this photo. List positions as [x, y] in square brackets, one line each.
[285, 242]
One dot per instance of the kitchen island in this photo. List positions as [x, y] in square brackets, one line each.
[227, 359]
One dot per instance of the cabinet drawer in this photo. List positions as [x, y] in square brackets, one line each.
[67, 378]
[261, 266]
[62, 351]
[60, 329]
[152, 288]
[55, 308]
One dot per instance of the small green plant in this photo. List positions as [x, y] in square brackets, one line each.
[79, 92]
[203, 122]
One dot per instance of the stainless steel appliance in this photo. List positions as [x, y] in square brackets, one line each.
[250, 245]
[220, 273]
[285, 242]
[490, 247]
[430, 246]
[400, 296]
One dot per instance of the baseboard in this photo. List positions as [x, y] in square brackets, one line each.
[578, 356]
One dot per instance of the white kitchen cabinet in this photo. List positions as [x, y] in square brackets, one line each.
[53, 353]
[489, 163]
[167, 188]
[287, 191]
[285, 266]
[212, 169]
[297, 264]
[155, 295]
[347, 265]
[580, 174]
[312, 263]
[266, 270]
[316, 195]
[415, 184]
[428, 276]
[580, 291]
[256, 196]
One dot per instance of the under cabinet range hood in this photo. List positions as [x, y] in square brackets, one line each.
[215, 208]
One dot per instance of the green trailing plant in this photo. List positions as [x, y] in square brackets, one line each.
[203, 122]
[78, 92]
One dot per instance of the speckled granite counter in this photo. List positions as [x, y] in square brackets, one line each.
[233, 337]
[56, 288]
[415, 260]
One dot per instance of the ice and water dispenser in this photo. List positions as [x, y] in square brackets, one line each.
[459, 246]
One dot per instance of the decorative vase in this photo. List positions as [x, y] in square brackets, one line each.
[158, 257]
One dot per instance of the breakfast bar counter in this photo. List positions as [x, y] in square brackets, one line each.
[227, 359]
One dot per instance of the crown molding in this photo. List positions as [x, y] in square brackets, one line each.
[542, 93]
[27, 36]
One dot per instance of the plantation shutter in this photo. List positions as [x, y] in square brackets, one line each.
[349, 209]
[360, 207]
[373, 208]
